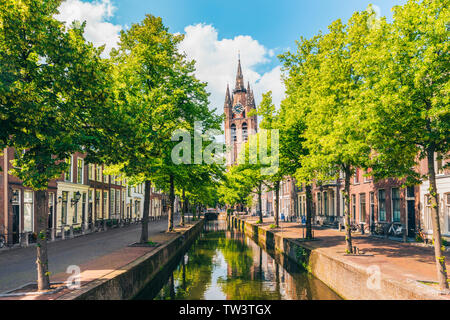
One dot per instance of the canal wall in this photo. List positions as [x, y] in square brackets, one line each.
[350, 280]
[126, 282]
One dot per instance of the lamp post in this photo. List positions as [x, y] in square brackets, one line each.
[75, 199]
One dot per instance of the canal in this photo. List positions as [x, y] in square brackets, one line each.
[225, 264]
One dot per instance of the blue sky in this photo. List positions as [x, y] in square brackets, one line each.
[216, 30]
[275, 24]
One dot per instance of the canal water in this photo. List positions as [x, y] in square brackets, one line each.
[225, 264]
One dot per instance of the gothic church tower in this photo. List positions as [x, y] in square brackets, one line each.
[238, 125]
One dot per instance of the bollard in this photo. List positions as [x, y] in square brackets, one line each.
[105, 227]
[63, 234]
[404, 233]
[71, 232]
[362, 228]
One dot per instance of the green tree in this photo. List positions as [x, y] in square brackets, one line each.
[406, 67]
[328, 93]
[146, 69]
[54, 92]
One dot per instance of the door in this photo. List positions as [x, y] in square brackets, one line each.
[411, 218]
[16, 223]
[90, 212]
[16, 216]
[83, 209]
[51, 209]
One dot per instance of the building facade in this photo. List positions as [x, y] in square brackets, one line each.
[238, 124]
[83, 198]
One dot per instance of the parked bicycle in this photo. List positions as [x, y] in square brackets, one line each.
[396, 230]
[2, 241]
[379, 229]
[421, 236]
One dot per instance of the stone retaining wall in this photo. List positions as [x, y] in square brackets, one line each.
[349, 280]
[128, 281]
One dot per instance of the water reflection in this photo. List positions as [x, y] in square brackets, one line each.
[225, 264]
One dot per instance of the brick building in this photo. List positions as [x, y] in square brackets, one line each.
[83, 198]
[238, 125]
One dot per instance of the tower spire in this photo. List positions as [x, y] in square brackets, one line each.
[239, 77]
[227, 97]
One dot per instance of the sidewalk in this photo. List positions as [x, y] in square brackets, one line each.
[401, 261]
[18, 267]
[105, 267]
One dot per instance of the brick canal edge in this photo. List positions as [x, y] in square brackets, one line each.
[127, 281]
[349, 280]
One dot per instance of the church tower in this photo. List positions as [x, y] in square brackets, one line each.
[238, 125]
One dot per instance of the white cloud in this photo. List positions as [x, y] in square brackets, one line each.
[216, 60]
[216, 63]
[98, 30]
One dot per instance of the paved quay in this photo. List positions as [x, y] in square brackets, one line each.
[100, 250]
[404, 262]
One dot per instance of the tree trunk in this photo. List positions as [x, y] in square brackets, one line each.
[183, 208]
[145, 215]
[309, 202]
[260, 203]
[277, 203]
[42, 254]
[171, 204]
[348, 231]
[434, 203]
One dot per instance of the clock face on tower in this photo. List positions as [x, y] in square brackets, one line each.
[238, 108]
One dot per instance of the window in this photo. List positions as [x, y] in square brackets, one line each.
[99, 173]
[65, 198]
[90, 171]
[28, 212]
[439, 166]
[382, 205]
[427, 219]
[129, 191]
[97, 204]
[354, 207]
[319, 204]
[325, 203]
[75, 210]
[447, 210]
[105, 203]
[396, 204]
[68, 172]
[410, 192]
[332, 198]
[233, 132]
[112, 202]
[137, 206]
[244, 132]
[356, 177]
[105, 178]
[366, 177]
[362, 207]
[372, 206]
[117, 202]
[122, 207]
[80, 166]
